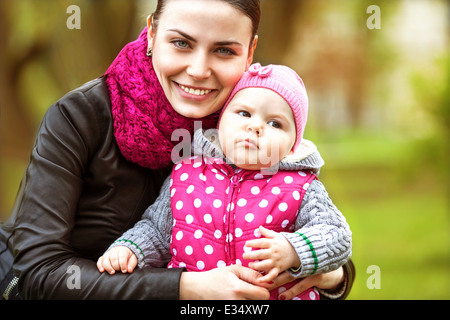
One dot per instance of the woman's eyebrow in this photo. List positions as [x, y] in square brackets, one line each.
[183, 34]
[218, 43]
[228, 43]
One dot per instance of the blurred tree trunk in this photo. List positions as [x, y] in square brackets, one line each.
[276, 29]
[41, 60]
[16, 130]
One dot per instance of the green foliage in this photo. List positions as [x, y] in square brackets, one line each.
[397, 207]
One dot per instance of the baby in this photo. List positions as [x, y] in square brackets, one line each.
[242, 195]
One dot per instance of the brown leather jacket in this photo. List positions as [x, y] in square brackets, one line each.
[78, 195]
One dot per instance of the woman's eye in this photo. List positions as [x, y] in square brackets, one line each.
[274, 124]
[181, 44]
[225, 51]
[244, 114]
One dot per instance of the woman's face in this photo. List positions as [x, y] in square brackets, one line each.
[201, 48]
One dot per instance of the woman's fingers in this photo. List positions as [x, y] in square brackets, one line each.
[249, 284]
[270, 276]
[232, 282]
[297, 288]
[282, 279]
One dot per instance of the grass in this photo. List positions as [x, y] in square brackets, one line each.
[408, 239]
[399, 219]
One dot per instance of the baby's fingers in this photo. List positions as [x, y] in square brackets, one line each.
[261, 265]
[100, 265]
[123, 257]
[106, 264]
[258, 243]
[273, 273]
[267, 233]
[256, 255]
[132, 263]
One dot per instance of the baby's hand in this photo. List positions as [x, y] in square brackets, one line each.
[117, 259]
[275, 254]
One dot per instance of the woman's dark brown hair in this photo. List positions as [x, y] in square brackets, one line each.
[250, 8]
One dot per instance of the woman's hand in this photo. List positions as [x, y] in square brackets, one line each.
[330, 281]
[229, 283]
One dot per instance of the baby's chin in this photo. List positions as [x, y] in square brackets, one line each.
[258, 167]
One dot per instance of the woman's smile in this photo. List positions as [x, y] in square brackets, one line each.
[197, 92]
[194, 92]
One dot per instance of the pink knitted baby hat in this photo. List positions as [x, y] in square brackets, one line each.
[284, 81]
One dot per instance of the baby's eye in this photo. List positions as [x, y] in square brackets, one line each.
[274, 124]
[244, 114]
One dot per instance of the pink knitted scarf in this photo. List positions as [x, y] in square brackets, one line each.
[143, 117]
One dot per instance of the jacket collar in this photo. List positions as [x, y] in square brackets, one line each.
[206, 144]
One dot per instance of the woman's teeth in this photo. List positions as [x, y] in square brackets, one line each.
[196, 92]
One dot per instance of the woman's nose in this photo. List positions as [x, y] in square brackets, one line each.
[198, 67]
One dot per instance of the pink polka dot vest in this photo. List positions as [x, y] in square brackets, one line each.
[216, 209]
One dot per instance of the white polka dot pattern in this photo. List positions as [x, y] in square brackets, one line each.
[216, 211]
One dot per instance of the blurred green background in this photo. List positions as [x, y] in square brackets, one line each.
[379, 112]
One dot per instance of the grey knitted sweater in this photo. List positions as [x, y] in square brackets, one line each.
[326, 228]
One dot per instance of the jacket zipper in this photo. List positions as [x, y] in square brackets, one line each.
[230, 210]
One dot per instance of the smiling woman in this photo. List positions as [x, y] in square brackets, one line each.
[198, 70]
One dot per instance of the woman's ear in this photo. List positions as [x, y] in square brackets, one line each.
[151, 31]
[251, 52]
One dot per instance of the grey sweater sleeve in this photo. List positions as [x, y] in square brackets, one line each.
[323, 239]
[149, 239]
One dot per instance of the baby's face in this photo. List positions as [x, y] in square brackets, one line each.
[257, 129]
